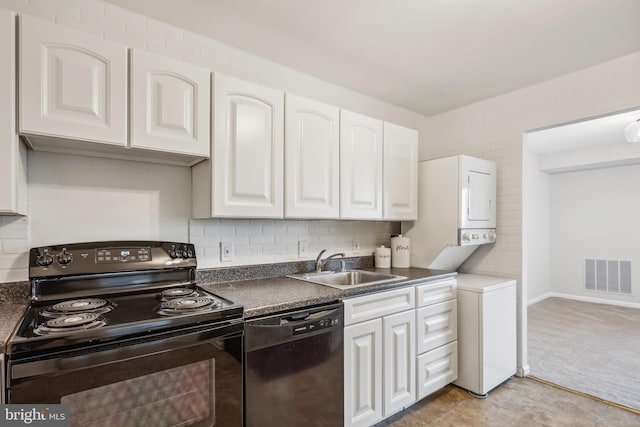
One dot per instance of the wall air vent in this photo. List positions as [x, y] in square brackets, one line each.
[607, 276]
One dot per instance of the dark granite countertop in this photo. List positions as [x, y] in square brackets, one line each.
[258, 296]
[13, 303]
[10, 314]
[272, 295]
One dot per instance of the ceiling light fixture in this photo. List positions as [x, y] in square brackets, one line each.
[632, 131]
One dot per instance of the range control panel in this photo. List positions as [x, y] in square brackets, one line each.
[123, 255]
[102, 257]
[315, 326]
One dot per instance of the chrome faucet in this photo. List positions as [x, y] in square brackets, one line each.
[321, 262]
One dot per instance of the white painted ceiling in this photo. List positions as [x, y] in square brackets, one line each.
[429, 56]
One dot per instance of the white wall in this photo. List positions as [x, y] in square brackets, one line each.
[594, 214]
[536, 226]
[79, 199]
[73, 198]
[494, 128]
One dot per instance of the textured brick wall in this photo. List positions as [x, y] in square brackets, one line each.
[267, 241]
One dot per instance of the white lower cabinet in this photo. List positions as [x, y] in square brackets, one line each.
[399, 359]
[381, 343]
[395, 354]
[363, 373]
[437, 368]
[380, 368]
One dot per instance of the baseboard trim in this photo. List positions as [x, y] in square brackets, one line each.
[584, 299]
[539, 298]
[523, 371]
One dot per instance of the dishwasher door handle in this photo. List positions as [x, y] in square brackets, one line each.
[297, 316]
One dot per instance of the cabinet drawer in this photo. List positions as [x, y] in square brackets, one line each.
[432, 293]
[437, 368]
[377, 305]
[437, 325]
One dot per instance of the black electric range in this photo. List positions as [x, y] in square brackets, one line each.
[91, 294]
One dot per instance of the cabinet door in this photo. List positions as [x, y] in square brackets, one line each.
[312, 156]
[399, 361]
[13, 159]
[170, 105]
[72, 85]
[437, 324]
[437, 368]
[248, 145]
[400, 173]
[360, 166]
[363, 373]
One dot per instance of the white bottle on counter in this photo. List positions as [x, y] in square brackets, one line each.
[383, 257]
[400, 252]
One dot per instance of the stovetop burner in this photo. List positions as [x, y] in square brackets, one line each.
[173, 293]
[188, 305]
[73, 322]
[85, 305]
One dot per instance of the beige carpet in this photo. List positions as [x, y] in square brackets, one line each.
[591, 348]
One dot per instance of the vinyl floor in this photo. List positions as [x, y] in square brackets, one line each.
[519, 402]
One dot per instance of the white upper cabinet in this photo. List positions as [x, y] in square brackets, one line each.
[312, 157]
[13, 158]
[245, 176]
[72, 85]
[360, 166]
[170, 105]
[400, 173]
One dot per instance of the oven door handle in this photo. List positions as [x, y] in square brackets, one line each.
[21, 371]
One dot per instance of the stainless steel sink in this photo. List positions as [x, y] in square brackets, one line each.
[347, 279]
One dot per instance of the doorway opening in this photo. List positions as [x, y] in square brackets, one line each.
[581, 256]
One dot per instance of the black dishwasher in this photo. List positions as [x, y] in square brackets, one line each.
[294, 368]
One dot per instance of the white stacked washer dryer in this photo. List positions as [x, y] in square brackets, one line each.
[456, 211]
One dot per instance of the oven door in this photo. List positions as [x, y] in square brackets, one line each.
[184, 378]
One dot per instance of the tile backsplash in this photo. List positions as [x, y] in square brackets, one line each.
[262, 241]
[14, 248]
